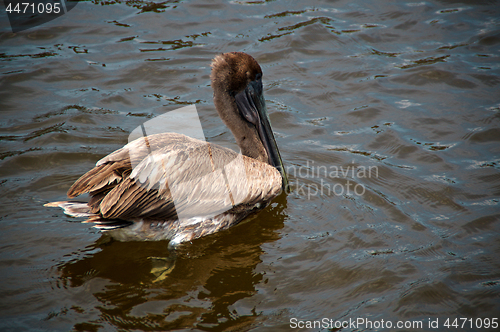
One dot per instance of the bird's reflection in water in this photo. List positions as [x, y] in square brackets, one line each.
[210, 275]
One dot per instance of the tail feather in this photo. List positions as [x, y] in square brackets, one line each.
[112, 225]
[73, 209]
[82, 210]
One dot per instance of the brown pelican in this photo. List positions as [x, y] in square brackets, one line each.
[132, 189]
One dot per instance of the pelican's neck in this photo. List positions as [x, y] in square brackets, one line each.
[245, 133]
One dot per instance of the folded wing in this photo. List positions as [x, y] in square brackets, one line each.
[171, 176]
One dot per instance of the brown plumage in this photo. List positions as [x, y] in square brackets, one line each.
[181, 188]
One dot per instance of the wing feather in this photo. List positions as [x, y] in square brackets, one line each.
[169, 176]
[99, 177]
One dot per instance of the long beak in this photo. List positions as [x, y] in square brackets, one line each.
[252, 107]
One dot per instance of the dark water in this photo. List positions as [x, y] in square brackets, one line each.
[397, 102]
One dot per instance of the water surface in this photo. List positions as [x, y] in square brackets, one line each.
[407, 92]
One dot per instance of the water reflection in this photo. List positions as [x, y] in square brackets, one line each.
[409, 87]
[210, 275]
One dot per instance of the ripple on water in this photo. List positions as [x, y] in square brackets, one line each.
[410, 89]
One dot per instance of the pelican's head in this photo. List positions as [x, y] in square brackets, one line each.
[239, 99]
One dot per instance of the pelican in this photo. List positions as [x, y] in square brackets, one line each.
[180, 188]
